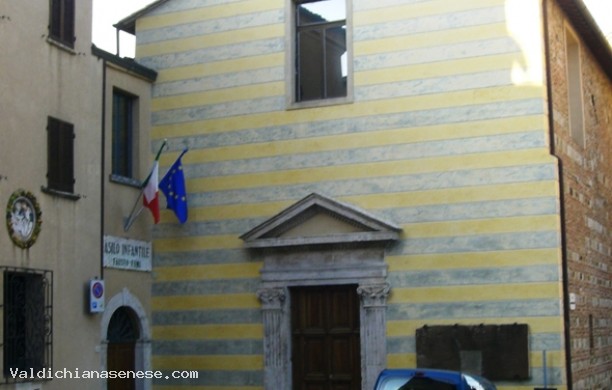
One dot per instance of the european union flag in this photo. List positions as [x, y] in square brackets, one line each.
[173, 187]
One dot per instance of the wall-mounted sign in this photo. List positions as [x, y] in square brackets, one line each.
[128, 254]
[23, 218]
[96, 296]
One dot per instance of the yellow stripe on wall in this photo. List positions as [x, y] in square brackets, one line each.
[207, 272]
[208, 332]
[195, 302]
[215, 362]
[473, 293]
[404, 328]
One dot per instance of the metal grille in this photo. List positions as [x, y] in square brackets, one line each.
[27, 307]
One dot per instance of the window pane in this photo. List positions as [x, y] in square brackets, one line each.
[322, 11]
[122, 135]
[335, 48]
[321, 50]
[310, 62]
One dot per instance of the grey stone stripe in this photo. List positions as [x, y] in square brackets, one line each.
[207, 347]
[477, 243]
[475, 276]
[211, 256]
[186, 5]
[206, 287]
[206, 317]
[477, 309]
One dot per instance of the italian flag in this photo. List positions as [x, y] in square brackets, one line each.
[151, 191]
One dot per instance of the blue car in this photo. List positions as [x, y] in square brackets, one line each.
[429, 379]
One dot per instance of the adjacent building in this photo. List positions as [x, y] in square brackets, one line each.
[75, 286]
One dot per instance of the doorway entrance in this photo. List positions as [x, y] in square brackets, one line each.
[123, 332]
[325, 332]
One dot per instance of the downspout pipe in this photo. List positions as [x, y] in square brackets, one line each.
[552, 146]
[102, 167]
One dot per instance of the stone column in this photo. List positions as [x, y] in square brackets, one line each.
[373, 331]
[276, 342]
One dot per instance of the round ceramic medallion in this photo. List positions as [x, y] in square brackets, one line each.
[23, 218]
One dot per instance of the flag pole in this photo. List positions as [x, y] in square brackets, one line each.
[132, 217]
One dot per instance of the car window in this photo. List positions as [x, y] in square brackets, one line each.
[421, 383]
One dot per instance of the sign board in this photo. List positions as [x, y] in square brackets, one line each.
[127, 254]
[96, 296]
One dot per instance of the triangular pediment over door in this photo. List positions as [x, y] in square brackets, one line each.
[320, 220]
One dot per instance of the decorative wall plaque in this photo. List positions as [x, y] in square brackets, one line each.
[23, 218]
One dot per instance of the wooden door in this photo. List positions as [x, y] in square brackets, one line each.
[120, 357]
[326, 352]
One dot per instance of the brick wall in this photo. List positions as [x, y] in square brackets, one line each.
[587, 197]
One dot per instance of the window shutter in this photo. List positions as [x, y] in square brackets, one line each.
[55, 23]
[60, 173]
[68, 27]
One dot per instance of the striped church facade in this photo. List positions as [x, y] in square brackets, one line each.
[444, 134]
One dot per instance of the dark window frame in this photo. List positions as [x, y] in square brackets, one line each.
[62, 21]
[27, 305]
[328, 89]
[124, 135]
[60, 156]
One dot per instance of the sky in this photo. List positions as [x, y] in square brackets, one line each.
[108, 12]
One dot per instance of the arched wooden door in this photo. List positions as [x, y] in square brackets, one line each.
[123, 332]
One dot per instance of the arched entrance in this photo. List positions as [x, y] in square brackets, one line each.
[114, 329]
[122, 335]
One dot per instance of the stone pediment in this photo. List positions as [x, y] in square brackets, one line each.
[317, 220]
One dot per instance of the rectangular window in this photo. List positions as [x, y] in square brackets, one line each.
[574, 86]
[60, 156]
[27, 314]
[123, 139]
[320, 49]
[61, 24]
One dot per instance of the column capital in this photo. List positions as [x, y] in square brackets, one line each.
[272, 298]
[374, 295]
